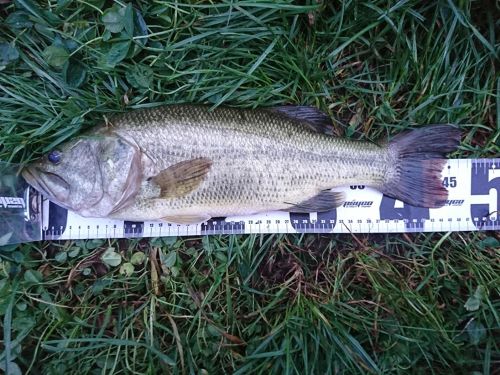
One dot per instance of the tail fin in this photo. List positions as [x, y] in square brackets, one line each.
[418, 157]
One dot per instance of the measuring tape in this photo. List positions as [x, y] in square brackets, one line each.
[473, 204]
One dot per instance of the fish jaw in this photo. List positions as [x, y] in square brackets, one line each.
[47, 183]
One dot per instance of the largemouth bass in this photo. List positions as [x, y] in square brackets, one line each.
[186, 163]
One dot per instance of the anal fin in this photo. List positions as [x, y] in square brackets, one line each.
[324, 201]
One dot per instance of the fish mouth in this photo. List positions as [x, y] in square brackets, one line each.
[47, 183]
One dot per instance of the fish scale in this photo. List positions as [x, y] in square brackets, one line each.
[265, 150]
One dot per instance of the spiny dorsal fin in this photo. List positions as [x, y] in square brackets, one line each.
[318, 121]
[324, 201]
[182, 178]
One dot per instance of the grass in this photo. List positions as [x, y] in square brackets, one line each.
[423, 303]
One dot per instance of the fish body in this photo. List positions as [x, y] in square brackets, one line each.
[187, 163]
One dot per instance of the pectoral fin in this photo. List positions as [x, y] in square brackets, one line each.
[182, 178]
[324, 201]
[186, 219]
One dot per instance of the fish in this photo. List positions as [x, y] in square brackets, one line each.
[187, 163]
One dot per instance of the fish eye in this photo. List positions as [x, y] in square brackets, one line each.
[55, 156]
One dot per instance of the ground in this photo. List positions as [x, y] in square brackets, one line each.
[304, 304]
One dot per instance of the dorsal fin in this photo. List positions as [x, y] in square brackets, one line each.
[317, 120]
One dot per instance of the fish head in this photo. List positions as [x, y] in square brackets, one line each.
[91, 175]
